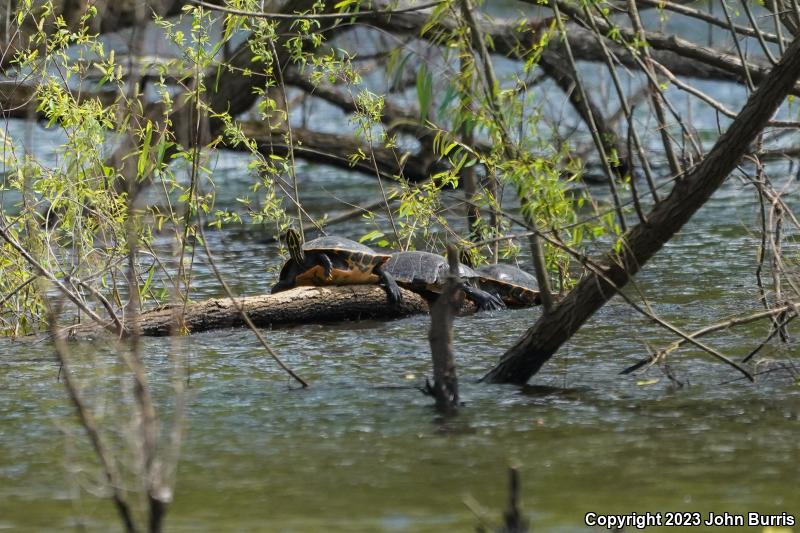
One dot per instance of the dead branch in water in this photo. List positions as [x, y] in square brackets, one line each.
[440, 336]
[660, 355]
[513, 519]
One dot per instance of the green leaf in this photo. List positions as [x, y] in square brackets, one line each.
[398, 72]
[424, 91]
[141, 164]
[149, 280]
[371, 236]
[449, 96]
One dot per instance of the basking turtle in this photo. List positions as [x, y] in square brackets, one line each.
[516, 287]
[334, 261]
[425, 273]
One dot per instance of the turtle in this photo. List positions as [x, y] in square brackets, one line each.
[425, 273]
[334, 260]
[516, 287]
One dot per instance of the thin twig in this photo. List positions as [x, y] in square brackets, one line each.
[592, 122]
[759, 33]
[240, 308]
[52, 279]
[627, 110]
[89, 424]
[490, 88]
[712, 328]
[710, 19]
[657, 97]
[599, 270]
[311, 16]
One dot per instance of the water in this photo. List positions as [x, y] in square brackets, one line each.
[362, 449]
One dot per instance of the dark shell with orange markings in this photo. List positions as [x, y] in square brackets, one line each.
[353, 263]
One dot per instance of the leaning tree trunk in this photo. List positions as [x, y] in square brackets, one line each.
[546, 336]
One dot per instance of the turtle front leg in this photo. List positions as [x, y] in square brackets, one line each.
[326, 263]
[484, 300]
[287, 277]
[319, 259]
[392, 290]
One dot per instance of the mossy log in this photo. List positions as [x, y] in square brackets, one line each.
[301, 305]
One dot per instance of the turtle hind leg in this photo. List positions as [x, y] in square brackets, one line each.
[392, 290]
[484, 300]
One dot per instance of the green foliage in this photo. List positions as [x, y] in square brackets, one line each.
[75, 216]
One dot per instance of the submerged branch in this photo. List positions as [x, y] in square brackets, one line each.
[719, 326]
[440, 336]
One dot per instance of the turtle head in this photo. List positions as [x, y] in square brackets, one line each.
[295, 245]
[465, 258]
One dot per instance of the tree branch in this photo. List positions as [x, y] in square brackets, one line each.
[638, 245]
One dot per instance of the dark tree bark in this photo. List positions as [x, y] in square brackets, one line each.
[335, 150]
[541, 341]
[681, 57]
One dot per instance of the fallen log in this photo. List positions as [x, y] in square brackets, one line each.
[514, 39]
[301, 305]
